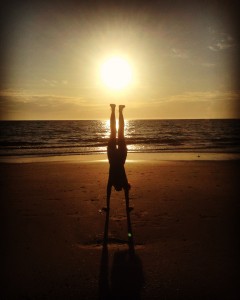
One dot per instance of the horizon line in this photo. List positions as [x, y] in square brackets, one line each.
[127, 119]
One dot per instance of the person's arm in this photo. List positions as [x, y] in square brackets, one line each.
[126, 191]
[109, 189]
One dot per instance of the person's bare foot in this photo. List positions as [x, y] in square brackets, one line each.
[113, 106]
[121, 107]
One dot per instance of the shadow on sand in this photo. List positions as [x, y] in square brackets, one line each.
[125, 281]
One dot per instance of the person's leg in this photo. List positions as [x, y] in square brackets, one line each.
[121, 139]
[111, 148]
[113, 122]
[121, 123]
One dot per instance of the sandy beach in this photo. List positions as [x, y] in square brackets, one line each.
[184, 224]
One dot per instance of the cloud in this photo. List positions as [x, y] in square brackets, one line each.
[208, 65]
[25, 96]
[221, 41]
[53, 82]
[18, 93]
[24, 104]
[201, 97]
[180, 53]
[220, 46]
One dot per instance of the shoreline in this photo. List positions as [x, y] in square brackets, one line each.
[132, 157]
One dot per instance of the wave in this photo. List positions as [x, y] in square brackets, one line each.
[86, 137]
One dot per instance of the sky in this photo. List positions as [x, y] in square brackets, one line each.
[183, 55]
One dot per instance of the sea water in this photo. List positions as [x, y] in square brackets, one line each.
[51, 138]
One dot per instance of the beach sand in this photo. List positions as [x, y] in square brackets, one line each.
[184, 230]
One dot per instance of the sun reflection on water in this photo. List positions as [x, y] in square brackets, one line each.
[107, 130]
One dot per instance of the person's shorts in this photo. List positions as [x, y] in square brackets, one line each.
[122, 148]
[111, 149]
[115, 152]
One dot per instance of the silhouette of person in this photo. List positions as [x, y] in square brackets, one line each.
[117, 154]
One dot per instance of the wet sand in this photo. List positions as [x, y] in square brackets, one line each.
[184, 243]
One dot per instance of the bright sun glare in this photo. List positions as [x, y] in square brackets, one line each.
[116, 73]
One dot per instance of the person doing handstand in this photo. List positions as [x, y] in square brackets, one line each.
[117, 154]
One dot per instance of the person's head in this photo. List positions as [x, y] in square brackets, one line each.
[119, 186]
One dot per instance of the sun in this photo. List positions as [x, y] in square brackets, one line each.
[116, 73]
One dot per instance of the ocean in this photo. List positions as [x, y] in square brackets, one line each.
[57, 138]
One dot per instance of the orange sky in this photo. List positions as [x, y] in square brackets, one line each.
[183, 57]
